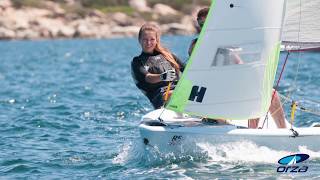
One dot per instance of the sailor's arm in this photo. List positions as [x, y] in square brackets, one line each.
[141, 73]
[152, 78]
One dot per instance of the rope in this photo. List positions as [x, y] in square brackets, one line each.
[317, 113]
[300, 107]
[166, 97]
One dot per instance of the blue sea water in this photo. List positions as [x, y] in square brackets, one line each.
[69, 110]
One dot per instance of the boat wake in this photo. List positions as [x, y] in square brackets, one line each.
[123, 155]
[248, 152]
[136, 152]
[241, 152]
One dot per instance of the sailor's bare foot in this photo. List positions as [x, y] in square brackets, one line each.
[253, 123]
[216, 121]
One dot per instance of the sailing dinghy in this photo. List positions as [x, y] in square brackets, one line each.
[215, 86]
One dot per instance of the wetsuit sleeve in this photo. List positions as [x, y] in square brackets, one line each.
[181, 64]
[138, 71]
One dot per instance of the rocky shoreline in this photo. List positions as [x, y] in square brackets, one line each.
[52, 21]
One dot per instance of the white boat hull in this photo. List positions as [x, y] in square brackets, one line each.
[181, 133]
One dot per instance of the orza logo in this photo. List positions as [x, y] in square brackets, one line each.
[290, 162]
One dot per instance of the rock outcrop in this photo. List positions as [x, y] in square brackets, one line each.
[164, 10]
[53, 21]
[139, 5]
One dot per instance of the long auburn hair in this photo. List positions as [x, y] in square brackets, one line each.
[164, 51]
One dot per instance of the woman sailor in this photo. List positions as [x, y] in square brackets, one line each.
[156, 67]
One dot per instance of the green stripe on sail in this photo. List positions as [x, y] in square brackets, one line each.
[270, 74]
[180, 96]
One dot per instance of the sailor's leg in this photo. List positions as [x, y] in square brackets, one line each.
[277, 112]
[253, 123]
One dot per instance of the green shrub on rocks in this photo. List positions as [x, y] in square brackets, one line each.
[180, 5]
[30, 3]
[112, 9]
[103, 3]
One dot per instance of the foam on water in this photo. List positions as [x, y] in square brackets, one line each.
[242, 152]
[242, 159]
[312, 154]
[136, 152]
[124, 154]
[249, 152]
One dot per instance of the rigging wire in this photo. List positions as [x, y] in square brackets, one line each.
[300, 106]
[294, 104]
[295, 86]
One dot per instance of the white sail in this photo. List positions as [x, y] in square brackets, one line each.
[302, 24]
[232, 68]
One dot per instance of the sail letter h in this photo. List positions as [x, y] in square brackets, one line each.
[197, 94]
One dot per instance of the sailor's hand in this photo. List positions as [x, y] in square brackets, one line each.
[169, 75]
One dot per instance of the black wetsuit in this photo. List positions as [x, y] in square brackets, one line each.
[155, 64]
[192, 44]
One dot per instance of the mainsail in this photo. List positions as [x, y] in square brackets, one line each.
[232, 68]
[302, 25]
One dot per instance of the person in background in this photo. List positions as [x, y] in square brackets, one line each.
[156, 67]
[275, 109]
[201, 18]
